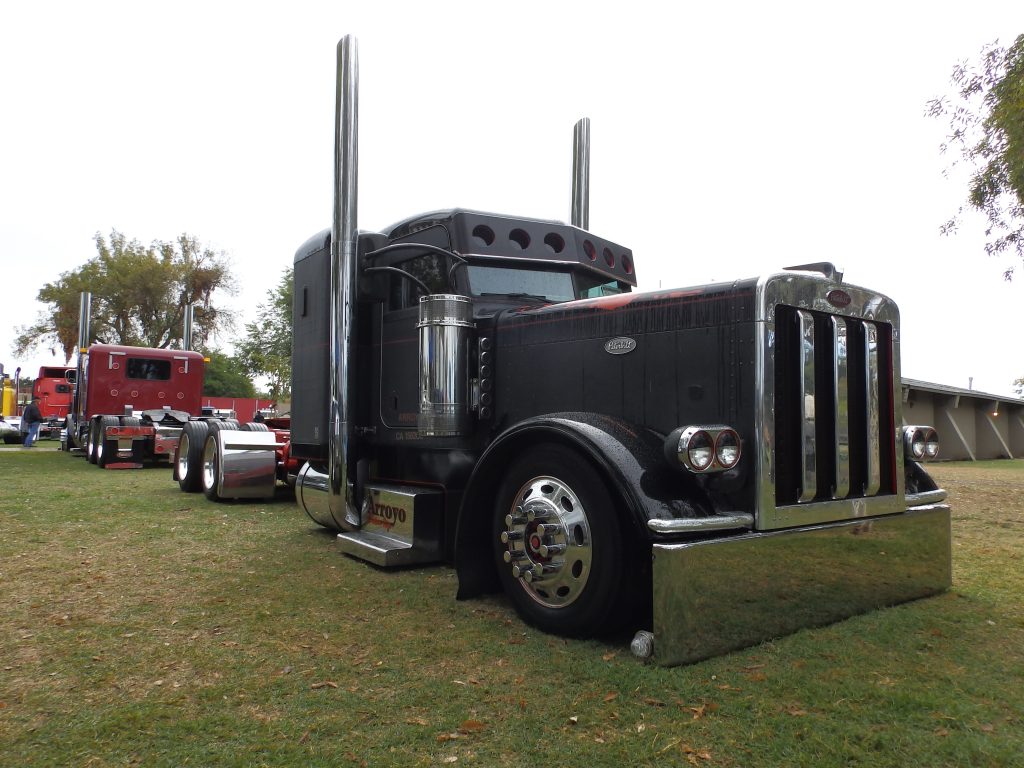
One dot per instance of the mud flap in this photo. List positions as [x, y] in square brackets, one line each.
[716, 596]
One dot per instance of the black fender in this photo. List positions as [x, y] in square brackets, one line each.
[629, 457]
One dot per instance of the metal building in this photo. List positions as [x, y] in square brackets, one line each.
[972, 425]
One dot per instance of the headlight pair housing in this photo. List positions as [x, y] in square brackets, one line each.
[704, 448]
[920, 443]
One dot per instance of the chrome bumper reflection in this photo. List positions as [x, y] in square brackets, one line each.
[716, 596]
[926, 497]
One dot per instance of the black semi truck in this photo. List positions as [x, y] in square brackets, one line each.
[708, 467]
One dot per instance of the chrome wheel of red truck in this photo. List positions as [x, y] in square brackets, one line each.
[188, 456]
[210, 467]
[558, 544]
[93, 439]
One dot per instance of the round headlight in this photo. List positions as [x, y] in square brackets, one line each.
[931, 444]
[727, 449]
[917, 444]
[700, 450]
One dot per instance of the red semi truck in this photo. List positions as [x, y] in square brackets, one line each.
[712, 466]
[131, 402]
[55, 389]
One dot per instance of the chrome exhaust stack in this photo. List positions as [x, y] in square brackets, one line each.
[186, 333]
[77, 407]
[341, 510]
[581, 174]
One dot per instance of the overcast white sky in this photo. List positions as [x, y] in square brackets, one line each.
[728, 140]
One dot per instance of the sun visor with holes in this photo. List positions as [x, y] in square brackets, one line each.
[484, 235]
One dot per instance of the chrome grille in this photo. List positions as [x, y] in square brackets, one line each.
[833, 405]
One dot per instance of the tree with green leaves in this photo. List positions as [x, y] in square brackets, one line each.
[225, 376]
[139, 294]
[266, 349]
[987, 132]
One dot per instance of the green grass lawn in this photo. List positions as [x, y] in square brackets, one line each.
[145, 627]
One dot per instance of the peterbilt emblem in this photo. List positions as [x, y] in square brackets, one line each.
[838, 298]
[620, 345]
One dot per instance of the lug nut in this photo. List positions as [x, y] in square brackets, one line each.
[549, 529]
[548, 550]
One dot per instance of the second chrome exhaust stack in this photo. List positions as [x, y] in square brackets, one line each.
[337, 487]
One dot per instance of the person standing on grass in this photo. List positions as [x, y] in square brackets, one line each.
[31, 418]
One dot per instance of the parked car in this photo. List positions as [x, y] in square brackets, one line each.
[10, 430]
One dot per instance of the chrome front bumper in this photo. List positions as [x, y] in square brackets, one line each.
[715, 596]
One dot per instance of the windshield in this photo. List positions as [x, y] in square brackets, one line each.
[551, 286]
[593, 288]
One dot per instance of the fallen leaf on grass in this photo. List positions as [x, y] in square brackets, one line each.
[653, 702]
[987, 727]
[443, 737]
[417, 721]
[702, 709]
[472, 726]
[941, 732]
[573, 720]
[324, 684]
[610, 655]
[693, 755]
[450, 759]
[795, 711]
[611, 697]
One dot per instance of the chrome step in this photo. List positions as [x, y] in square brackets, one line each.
[383, 550]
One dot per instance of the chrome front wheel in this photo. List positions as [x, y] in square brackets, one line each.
[559, 546]
[547, 541]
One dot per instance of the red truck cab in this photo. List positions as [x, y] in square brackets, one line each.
[145, 379]
[54, 386]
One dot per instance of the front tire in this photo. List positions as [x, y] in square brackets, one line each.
[559, 546]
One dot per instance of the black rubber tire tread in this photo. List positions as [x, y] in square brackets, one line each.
[216, 426]
[254, 426]
[193, 434]
[106, 450]
[211, 492]
[609, 597]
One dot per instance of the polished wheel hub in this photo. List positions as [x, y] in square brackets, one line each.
[547, 542]
[209, 464]
[183, 451]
